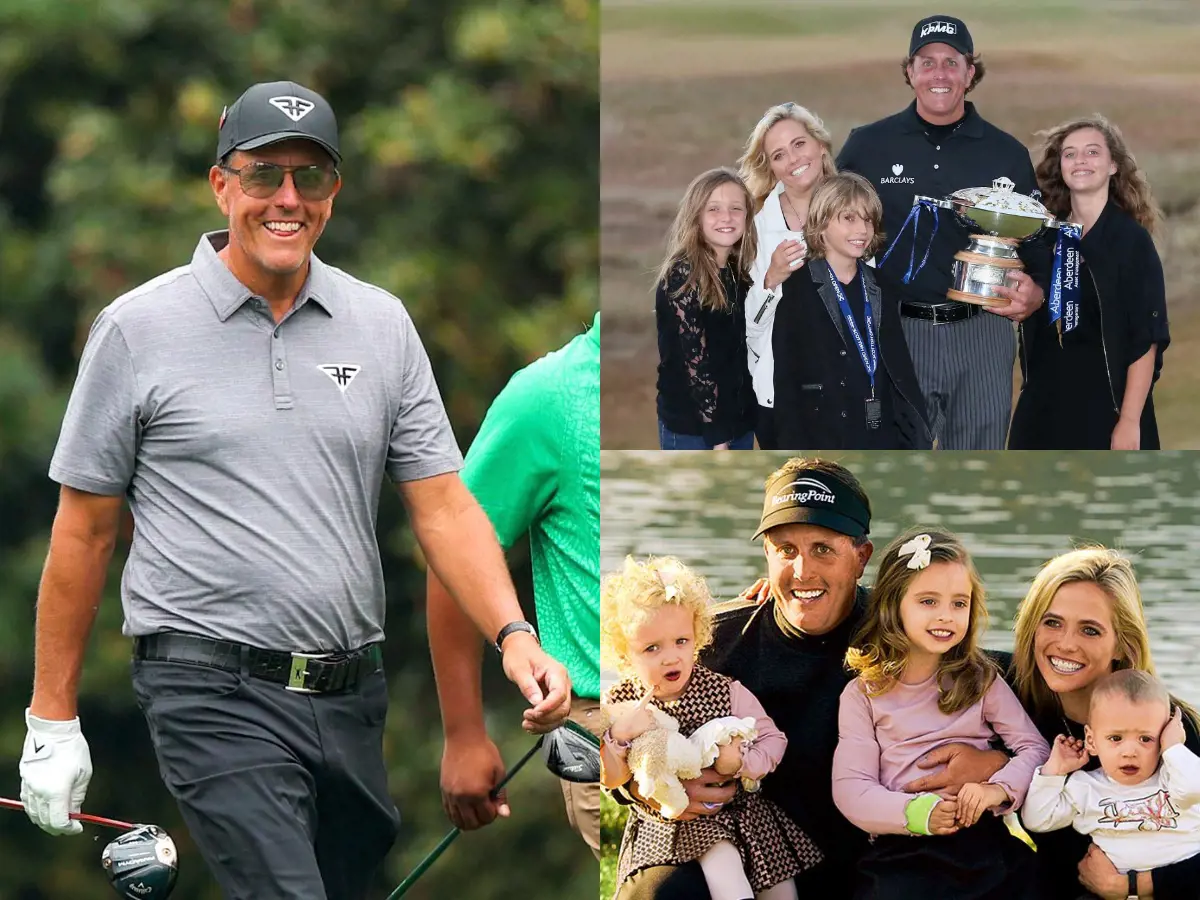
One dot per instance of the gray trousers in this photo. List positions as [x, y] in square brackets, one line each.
[285, 794]
[966, 374]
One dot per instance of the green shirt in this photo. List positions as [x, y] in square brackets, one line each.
[535, 467]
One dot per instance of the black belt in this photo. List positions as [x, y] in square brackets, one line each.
[938, 313]
[305, 673]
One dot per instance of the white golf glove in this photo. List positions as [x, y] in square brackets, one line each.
[56, 767]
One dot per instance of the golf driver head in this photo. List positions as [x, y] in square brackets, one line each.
[141, 864]
[572, 753]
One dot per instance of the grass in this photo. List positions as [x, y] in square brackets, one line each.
[612, 823]
[683, 83]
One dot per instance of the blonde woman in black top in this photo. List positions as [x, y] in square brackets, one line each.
[705, 398]
[1092, 387]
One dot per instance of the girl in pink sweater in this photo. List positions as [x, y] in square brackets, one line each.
[922, 683]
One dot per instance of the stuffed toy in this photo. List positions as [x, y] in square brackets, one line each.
[662, 758]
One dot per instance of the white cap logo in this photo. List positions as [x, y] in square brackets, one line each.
[295, 108]
[935, 28]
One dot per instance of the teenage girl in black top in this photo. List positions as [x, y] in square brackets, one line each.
[1091, 387]
[705, 396]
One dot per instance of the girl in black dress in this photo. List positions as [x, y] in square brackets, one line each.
[705, 396]
[1091, 387]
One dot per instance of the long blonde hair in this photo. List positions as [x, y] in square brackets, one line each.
[753, 164]
[1113, 574]
[688, 252]
[1128, 187]
[879, 652]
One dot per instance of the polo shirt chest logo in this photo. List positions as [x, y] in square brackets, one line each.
[342, 375]
[896, 176]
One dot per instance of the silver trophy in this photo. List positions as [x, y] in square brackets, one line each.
[1002, 219]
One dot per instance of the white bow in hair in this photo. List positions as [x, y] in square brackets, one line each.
[667, 577]
[919, 548]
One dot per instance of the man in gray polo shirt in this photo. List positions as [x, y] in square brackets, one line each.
[248, 405]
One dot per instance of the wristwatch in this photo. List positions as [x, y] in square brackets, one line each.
[509, 629]
[1133, 888]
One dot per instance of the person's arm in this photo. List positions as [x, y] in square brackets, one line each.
[763, 754]
[1003, 711]
[1052, 802]
[1127, 435]
[857, 792]
[462, 550]
[511, 469]
[81, 544]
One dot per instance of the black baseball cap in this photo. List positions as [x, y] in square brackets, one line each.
[812, 497]
[941, 30]
[277, 111]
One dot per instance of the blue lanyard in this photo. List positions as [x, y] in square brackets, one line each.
[869, 360]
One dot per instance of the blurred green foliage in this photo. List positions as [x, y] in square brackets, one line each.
[471, 163]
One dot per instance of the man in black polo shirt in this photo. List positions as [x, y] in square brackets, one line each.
[938, 145]
[789, 652]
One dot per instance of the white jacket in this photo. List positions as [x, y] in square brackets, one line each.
[761, 303]
[1142, 826]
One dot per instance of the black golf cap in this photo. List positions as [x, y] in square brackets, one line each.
[812, 497]
[277, 111]
[941, 30]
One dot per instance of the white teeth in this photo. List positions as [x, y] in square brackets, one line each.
[283, 227]
[939, 90]
[1066, 666]
[807, 595]
[939, 632]
[796, 173]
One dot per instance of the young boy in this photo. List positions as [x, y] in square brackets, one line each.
[1141, 813]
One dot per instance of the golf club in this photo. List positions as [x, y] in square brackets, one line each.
[141, 864]
[78, 817]
[570, 752]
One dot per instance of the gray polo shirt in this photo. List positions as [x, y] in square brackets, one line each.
[252, 454]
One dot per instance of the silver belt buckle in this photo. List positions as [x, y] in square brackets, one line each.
[299, 671]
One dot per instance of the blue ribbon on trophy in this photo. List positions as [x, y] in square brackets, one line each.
[914, 216]
[1063, 302]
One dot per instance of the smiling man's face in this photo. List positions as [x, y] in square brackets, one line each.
[813, 573]
[271, 239]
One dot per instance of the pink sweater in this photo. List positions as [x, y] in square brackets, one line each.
[880, 740]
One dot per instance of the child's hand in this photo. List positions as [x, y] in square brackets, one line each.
[944, 818]
[729, 759]
[1066, 756]
[636, 722]
[1173, 733]
[974, 799]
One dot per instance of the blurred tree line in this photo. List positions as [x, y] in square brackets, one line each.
[471, 163]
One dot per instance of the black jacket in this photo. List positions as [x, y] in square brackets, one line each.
[1120, 258]
[704, 385]
[815, 358]
[900, 161]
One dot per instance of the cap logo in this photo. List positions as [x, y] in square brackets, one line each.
[295, 108]
[224, 113]
[931, 28]
[803, 491]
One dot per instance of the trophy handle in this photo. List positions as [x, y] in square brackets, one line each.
[936, 201]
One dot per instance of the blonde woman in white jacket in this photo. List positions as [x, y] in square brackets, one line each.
[787, 155]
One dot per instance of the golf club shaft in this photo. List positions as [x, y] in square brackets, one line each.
[445, 842]
[78, 817]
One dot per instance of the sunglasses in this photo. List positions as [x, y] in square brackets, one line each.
[261, 180]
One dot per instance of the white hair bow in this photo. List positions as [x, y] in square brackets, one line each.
[919, 548]
[667, 577]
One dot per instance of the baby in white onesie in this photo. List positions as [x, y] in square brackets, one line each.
[1142, 806]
